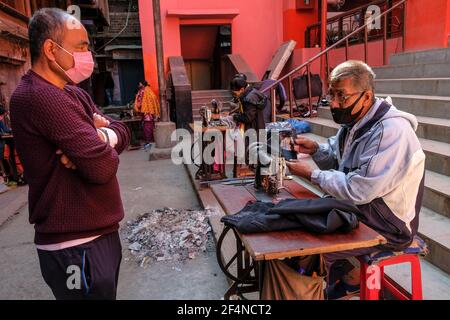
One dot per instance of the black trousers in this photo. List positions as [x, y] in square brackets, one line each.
[86, 272]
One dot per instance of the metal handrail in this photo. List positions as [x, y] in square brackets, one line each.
[325, 52]
[348, 13]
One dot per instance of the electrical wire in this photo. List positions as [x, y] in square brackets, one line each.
[121, 31]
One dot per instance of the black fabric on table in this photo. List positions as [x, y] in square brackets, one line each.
[323, 215]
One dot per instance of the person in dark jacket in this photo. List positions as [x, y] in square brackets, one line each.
[251, 102]
[280, 93]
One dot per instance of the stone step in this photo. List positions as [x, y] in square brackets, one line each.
[435, 282]
[198, 105]
[437, 129]
[434, 129]
[207, 101]
[420, 105]
[210, 97]
[437, 193]
[435, 230]
[421, 70]
[211, 93]
[418, 57]
[419, 86]
[437, 156]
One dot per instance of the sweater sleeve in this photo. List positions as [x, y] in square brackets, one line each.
[67, 125]
[121, 129]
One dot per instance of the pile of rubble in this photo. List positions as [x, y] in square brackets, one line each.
[168, 234]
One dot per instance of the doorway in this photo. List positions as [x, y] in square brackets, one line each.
[202, 48]
[131, 72]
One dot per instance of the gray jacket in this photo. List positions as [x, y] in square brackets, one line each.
[380, 167]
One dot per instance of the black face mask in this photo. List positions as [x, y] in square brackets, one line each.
[345, 116]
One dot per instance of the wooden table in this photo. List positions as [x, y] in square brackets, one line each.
[285, 244]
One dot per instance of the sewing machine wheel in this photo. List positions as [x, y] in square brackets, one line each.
[239, 268]
[196, 158]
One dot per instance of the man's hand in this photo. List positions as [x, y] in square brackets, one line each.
[305, 145]
[66, 161]
[299, 168]
[100, 121]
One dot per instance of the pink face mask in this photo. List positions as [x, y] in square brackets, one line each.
[83, 66]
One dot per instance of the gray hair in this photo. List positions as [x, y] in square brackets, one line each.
[46, 23]
[361, 74]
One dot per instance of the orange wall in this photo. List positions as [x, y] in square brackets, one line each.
[257, 31]
[262, 25]
[296, 21]
[337, 56]
[198, 42]
[427, 24]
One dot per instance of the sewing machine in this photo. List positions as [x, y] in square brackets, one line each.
[271, 158]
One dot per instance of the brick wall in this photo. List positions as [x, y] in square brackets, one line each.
[118, 21]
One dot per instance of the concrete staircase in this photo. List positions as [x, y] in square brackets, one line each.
[204, 97]
[419, 83]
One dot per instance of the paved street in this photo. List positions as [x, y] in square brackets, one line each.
[139, 178]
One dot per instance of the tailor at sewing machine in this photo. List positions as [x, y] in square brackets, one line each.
[268, 157]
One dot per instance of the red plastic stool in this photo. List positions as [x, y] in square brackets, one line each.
[373, 278]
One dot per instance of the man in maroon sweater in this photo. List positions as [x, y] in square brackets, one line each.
[70, 154]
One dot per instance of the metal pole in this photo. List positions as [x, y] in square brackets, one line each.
[273, 104]
[366, 48]
[404, 27]
[291, 101]
[346, 49]
[385, 41]
[160, 60]
[308, 70]
[323, 46]
[323, 25]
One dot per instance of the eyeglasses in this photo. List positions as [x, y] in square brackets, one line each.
[339, 95]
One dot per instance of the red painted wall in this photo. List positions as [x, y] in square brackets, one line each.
[262, 25]
[198, 42]
[427, 24]
[295, 21]
[257, 31]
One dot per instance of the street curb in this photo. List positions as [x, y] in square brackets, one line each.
[208, 201]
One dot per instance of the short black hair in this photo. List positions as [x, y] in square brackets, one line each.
[144, 83]
[238, 83]
[46, 23]
[240, 75]
[2, 110]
